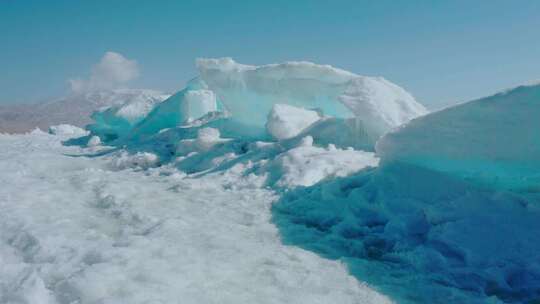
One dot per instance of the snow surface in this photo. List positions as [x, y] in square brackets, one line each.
[285, 121]
[75, 231]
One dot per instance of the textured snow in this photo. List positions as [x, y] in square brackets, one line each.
[75, 231]
[285, 121]
[494, 141]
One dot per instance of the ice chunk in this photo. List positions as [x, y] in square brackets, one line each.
[206, 139]
[197, 103]
[249, 92]
[192, 103]
[93, 141]
[493, 140]
[285, 121]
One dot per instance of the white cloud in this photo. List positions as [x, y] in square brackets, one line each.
[112, 71]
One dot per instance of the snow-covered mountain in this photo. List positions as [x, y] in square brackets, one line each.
[74, 109]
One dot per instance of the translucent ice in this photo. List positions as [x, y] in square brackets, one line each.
[249, 92]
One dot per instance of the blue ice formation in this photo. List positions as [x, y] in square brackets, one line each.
[452, 214]
[357, 109]
[493, 141]
[249, 92]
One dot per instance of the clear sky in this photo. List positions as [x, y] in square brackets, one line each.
[440, 51]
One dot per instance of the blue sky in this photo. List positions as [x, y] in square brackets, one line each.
[440, 51]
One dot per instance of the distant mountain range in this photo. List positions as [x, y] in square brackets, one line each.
[74, 109]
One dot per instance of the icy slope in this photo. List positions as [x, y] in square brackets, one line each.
[494, 141]
[249, 92]
[78, 230]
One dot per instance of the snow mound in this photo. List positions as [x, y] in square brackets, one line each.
[494, 141]
[67, 130]
[249, 92]
[306, 165]
[285, 121]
